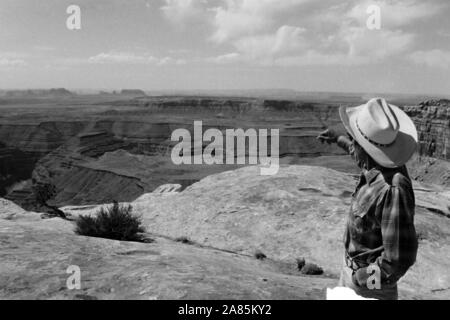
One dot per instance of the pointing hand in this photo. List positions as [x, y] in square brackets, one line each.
[329, 136]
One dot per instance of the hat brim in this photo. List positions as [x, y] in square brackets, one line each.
[392, 156]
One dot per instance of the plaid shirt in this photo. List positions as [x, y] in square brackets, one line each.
[380, 227]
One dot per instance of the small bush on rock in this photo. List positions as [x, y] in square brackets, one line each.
[43, 193]
[260, 255]
[311, 269]
[184, 240]
[116, 222]
[300, 263]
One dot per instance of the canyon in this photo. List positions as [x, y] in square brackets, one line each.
[96, 149]
[100, 148]
[126, 145]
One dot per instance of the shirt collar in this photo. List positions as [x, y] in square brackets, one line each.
[371, 174]
[366, 177]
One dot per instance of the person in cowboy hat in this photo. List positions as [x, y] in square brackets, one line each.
[380, 239]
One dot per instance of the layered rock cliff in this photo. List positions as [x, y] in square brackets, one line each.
[126, 145]
[432, 119]
[84, 158]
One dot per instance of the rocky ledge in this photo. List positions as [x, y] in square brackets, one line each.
[227, 217]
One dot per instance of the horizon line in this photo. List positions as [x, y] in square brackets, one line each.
[296, 91]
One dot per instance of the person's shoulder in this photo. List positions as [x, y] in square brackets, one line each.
[397, 183]
[397, 178]
[401, 181]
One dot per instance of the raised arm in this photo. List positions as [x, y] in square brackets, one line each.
[331, 136]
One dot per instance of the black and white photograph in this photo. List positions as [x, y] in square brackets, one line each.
[237, 151]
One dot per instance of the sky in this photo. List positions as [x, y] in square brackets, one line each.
[305, 45]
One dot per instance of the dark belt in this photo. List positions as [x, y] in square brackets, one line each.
[354, 264]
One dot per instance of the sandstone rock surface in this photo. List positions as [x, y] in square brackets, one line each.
[36, 255]
[300, 212]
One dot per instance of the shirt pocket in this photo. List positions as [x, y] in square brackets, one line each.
[359, 209]
[363, 223]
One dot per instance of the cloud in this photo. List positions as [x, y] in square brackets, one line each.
[315, 58]
[183, 11]
[265, 48]
[258, 32]
[375, 44]
[131, 58]
[395, 14]
[171, 61]
[237, 18]
[432, 58]
[291, 46]
[286, 40]
[7, 60]
[225, 58]
[122, 57]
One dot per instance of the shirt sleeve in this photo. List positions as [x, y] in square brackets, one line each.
[344, 143]
[398, 232]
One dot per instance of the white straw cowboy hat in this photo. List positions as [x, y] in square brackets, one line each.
[384, 131]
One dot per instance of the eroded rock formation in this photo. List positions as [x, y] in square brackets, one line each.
[121, 149]
[432, 119]
[123, 154]
[227, 217]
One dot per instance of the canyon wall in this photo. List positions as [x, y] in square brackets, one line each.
[432, 119]
[431, 163]
[123, 150]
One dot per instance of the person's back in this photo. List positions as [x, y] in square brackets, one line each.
[380, 239]
[380, 231]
